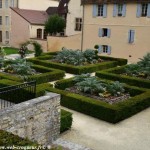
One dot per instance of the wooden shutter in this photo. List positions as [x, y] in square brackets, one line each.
[108, 32]
[100, 32]
[109, 50]
[115, 10]
[95, 10]
[105, 11]
[100, 49]
[124, 10]
[148, 11]
[131, 36]
[139, 10]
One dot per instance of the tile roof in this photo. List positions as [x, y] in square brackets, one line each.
[32, 16]
[52, 10]
[112, 1]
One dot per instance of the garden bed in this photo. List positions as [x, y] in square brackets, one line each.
[111, 113]
[109, 63]
[43, 75]
[117, 73]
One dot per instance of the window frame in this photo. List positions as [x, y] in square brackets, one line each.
[1, 20]
[144, 9]
[78, 24]
[105, 49]
[120, 10]
[100, 10]
[39, 33]
[7, 35]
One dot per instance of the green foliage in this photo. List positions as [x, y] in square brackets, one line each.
[91, 56]
[110, 63]
[55, 24]
[91, 85]
[37, 48]
[79, 78]
[116, 88]
[96, 47]
[2, 52]
[115, 75]
[20, 67]
[66, 120]
[94, 86]
[77, 57]
[111, 113]
[141, 69]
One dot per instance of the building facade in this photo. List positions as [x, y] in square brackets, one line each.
[120, 28]
[5, 14]
[5, 20]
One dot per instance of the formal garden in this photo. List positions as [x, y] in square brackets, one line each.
[116, 92]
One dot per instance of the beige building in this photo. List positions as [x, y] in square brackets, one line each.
[5, 20]
[121, 29]
[5, 14]
[27, 25]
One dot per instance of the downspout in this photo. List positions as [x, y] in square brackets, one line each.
[82, 38]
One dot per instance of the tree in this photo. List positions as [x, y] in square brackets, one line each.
[55, 24]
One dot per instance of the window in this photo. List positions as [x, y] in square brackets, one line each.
[104, 49]
[100, 10]
[0, 3]
[119, 10]
[104, 32]
[12, 3]
[78, 24]
[131, 35]
[6, 4]
[39, 33]
[45, 35]
[7, 20]
[143, 10]
[7, 35]
[0, 20]
[0, 36]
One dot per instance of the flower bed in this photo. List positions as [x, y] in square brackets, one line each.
[109, 62]
[112, 113]
[117, 73]
[43, 75]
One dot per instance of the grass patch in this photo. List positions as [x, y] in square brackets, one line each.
[11, 50]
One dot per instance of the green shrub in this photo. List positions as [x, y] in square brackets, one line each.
[66, 120]
[76, 69]
[99, 109]
[115, 74]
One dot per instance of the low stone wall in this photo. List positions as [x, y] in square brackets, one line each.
[37, 119]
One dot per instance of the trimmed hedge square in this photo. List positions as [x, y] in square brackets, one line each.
[115, 74]
[45, 75]
[111, 62]
[111, 113]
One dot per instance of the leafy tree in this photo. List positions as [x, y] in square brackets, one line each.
[55, 24]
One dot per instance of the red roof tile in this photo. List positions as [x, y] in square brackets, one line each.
[32, 16]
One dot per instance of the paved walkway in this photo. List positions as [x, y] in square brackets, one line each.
[130, 134]
[15, 56]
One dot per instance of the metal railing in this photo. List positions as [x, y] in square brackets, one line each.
[11, 95]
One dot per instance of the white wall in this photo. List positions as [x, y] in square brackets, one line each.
[36, 4]
[75, 11]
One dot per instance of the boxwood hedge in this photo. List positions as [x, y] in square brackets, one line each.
[66, 120]
[111, 62]
[115, 74]
[99, 109]
[45, 75]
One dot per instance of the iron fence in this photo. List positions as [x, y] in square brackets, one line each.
[11, 95]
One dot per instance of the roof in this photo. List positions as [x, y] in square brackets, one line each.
[63, 6]
[111, 1]
[52, 10]
[32, 16]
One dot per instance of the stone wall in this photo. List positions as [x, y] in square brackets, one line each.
[37, 119]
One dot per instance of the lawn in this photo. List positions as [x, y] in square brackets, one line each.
[10, 50]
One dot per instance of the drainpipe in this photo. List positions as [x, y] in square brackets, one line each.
[82, 38]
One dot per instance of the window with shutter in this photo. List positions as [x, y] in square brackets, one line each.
[143, 10]
[119, 10]
[104, 32]
[131, 36]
